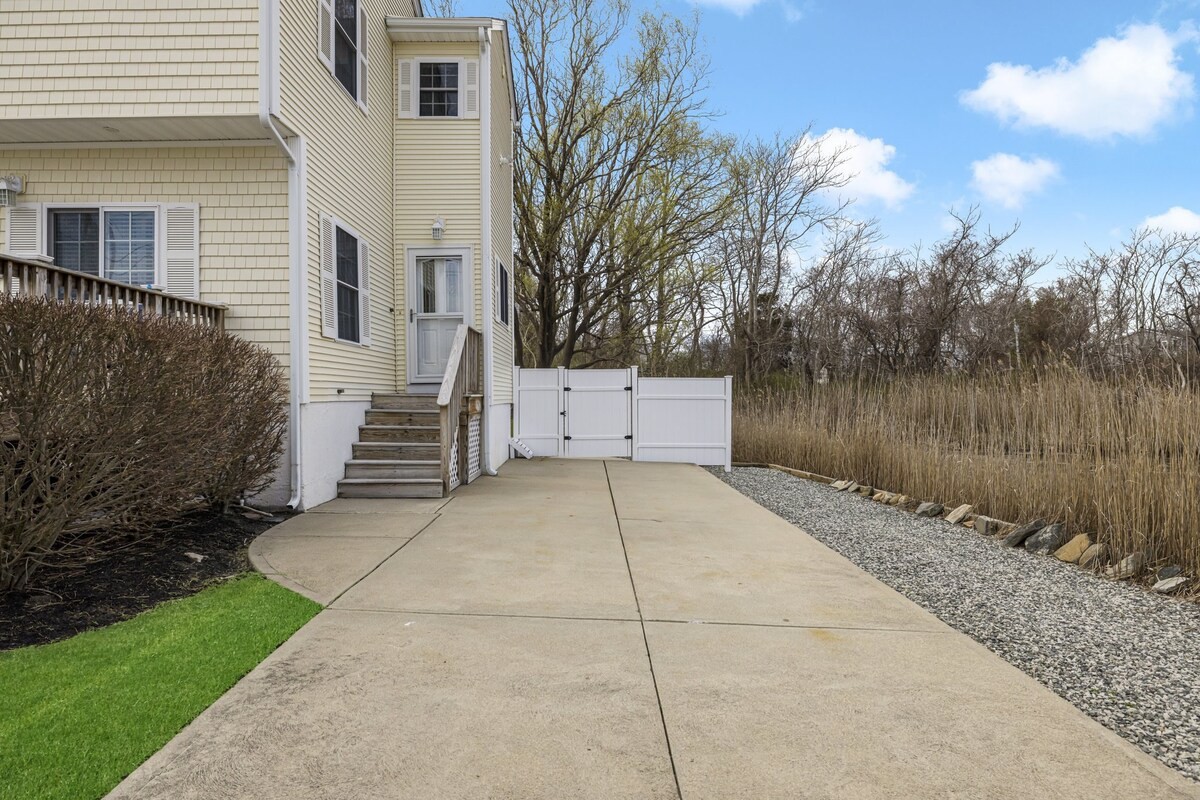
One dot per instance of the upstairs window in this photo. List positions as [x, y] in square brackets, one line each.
[342, 41]
[439, 89]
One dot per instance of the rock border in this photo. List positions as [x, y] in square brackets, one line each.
[1038, 537]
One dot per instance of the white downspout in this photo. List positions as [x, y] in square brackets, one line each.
[268, 84]
[488, 258]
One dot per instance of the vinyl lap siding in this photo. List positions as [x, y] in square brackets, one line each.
[84, 58]
[502, 219]
[242, 193]
[349, 176]
[437, 174]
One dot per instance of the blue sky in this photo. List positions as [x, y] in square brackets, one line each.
[1076, 118]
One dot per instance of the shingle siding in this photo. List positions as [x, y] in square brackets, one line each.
[242, 194]
[147, 58]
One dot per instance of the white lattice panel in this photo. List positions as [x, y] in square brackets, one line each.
[474, 430]
[454, 481]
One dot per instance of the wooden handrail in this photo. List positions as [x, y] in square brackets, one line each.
[464, 377]
[21, 277]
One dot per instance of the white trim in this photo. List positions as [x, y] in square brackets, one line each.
[298, 318]
[138, 144]
[464, 251]
[488, 259]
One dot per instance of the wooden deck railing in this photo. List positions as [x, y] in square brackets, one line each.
[463, 382]
[23, 278]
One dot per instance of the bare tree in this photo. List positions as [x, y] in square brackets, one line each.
[614, 174]
[778, 197]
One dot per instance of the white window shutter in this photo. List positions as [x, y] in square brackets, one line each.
[470, 106]
[24, 232]
[325, 32]
[364, 294]
[181, 250]
[328, 278]
[364, 43]
[405, 101]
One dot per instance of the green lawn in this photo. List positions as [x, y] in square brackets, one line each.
[79, 715]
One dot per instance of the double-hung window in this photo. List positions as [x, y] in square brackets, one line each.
[347, 287]
[345, 283]
[118, 244]
[342, 40]
[438, 89]
[505, 292]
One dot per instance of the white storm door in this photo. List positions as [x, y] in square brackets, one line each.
[436, 316]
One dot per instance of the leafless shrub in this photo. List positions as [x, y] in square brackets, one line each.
[118, 423]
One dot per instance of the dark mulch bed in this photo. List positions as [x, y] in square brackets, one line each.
[137, 577]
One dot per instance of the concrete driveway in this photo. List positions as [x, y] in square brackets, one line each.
[589, 629]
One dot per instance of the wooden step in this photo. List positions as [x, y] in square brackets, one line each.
[403, 416]
[390, 487]
[401, 434]
[404, 402]
[391, 451]
[393, 468]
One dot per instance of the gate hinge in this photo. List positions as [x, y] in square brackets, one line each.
[566, 438]
[629, 436]
[566, 388]
[629, 388]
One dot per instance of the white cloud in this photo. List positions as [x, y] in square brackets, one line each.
[739, 7]
[1176, 219]
[791, 12]
[1007, 179]
[864, 165]
[1123, 86]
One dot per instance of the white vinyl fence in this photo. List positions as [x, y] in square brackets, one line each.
[614, 413]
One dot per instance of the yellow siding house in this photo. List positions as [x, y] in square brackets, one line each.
[337, 173]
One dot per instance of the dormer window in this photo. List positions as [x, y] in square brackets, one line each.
[439, 89]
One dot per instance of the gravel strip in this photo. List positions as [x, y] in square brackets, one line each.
[1128, 658]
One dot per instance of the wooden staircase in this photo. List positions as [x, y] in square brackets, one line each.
[398, 452]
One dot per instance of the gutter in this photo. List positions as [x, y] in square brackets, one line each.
[268, 86]
[488, 265]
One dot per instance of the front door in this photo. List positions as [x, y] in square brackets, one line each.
[436, 314]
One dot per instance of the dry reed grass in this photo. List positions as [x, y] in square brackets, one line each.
[1120, 461]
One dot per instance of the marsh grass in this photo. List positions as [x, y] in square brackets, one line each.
[1117, 459]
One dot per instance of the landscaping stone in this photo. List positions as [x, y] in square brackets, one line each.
[1169, 571]
[1128, 567]
[839, 485]
[1018, 537]
[1092, 555]
[1074, 549]
[1170, 584]
[929, 510]
[195, 556]
[1047, 540]
[959, 514]
[865, 491]
[849, 487]
[986, 525]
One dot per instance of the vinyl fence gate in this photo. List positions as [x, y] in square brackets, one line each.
[615, 413]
